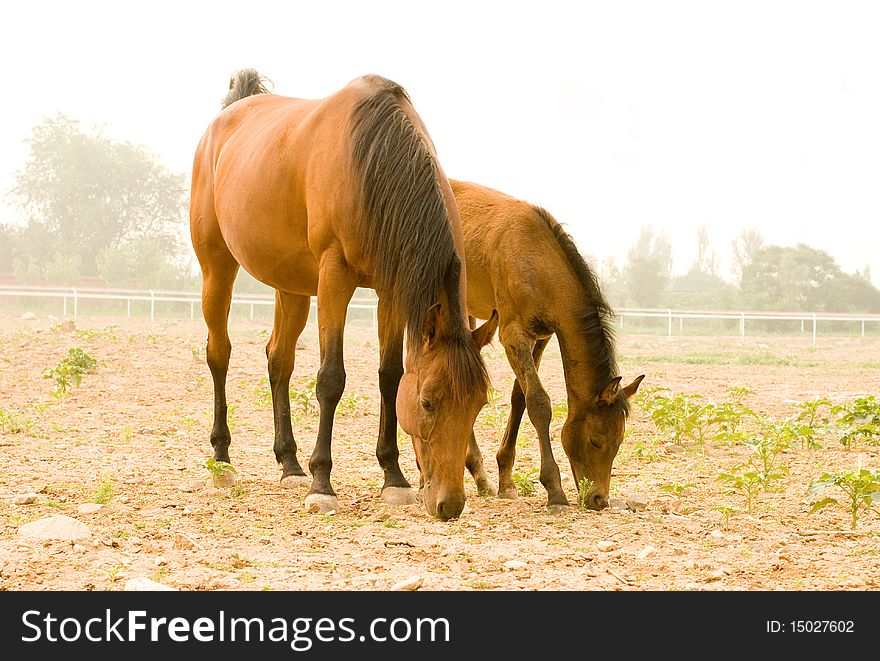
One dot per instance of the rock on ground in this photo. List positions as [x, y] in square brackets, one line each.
[605, 546]
[144, 584]
[58, 527]
[636, 502]
[89, 508]
[25, 499]
[409, 584]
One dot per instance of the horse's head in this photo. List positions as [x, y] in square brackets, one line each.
[441, 393]
[592, 435]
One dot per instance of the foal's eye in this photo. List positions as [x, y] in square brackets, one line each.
[427, 405]
[595, 444]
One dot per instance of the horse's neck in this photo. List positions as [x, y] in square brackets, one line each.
[581, 381]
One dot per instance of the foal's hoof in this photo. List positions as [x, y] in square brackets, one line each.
[399, 496]
[485, 490]
[223, 480]
[294, 481]
[557, 508]
[508, 493]
[321, 503]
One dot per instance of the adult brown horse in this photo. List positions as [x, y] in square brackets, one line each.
[521, 263]
[318, 197]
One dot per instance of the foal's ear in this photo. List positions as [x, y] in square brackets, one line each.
[432, 325]
[631, 389]
[609, 392]
[483, 335]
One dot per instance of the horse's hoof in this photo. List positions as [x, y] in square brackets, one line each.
[399, 496]
[223, 480]
[321, 503]
[485, 490]
[557, 508]
[508, 493]
[294, 481]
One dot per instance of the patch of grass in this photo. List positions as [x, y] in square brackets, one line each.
[104, 492]
[351, 404]
[391, 523]
[478, 584]
[15, 423]
[584, 486]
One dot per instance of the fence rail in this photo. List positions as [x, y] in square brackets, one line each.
[71, 298]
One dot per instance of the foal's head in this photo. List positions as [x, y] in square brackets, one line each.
[592, 435]
[441, 392]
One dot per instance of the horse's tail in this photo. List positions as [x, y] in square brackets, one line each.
[245, 83]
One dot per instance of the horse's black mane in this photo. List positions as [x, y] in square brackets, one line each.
[596, 318]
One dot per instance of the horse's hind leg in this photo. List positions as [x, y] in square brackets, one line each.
[291, 315]
[395, 490]
[336, 284]
[218, 276]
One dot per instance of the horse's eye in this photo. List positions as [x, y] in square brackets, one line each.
[427, 405]
[595, 444]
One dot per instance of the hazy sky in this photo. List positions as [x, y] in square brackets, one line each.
[611, 115]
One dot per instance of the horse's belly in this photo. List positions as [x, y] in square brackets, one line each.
[286, 265]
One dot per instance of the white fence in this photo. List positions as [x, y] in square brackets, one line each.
[70, 299]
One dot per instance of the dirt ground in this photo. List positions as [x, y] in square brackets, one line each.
[135, 433]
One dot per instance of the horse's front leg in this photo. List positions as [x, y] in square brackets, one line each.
[336, 284]
[524, 360]
[395, 490]
[291, 315]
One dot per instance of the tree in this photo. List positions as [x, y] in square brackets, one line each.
[648, 268]
[745, 248]
[804, 279]
[706, 261]
[84, 194]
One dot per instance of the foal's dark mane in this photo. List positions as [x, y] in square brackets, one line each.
[595, 318]
[405, 229]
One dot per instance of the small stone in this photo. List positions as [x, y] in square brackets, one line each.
[514, 565]
[187, 510]
[591, 571]
[144, 584]
[617, 503]
[68, 326]
[58, 527]
[191, 486]
[89, 508]
[673, 449]
[161, 561]
[409, 584]
[606, 545]
[28, 316]
[79, 548]
[645, 552]
[715, 575]
[636, 502]
[25, 499]
[716, 534]
[184, 543]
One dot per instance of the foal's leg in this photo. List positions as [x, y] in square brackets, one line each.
[218, 276]
[474, 459]
[507, 450]
[291, 315]
[336, 284]
[522, 359]
[396, 490]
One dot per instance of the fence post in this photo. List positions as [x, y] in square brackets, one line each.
[128, 308]
[75, 304]
[621, 321]
[65, 306]
[863, 328]
[152, 306]
[814, 329]
[742, 327]
[376, 316]
[669, 324]
[192, 310]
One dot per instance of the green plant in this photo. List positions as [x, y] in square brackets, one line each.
[218, 468]
[496, 411]
[70, 370]
[645, 451]
[726, 511]
[862, 489]
[676, 488]
[744, 480]
[104, 492]
[14, 423]
[351, 404]
[585, 484]
[681, 416]
[302, 399]
[525, 482]
[858, 422]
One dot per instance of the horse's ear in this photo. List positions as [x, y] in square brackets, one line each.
[631, 389]
[483, 335]
[609, 392]
[432, 325]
